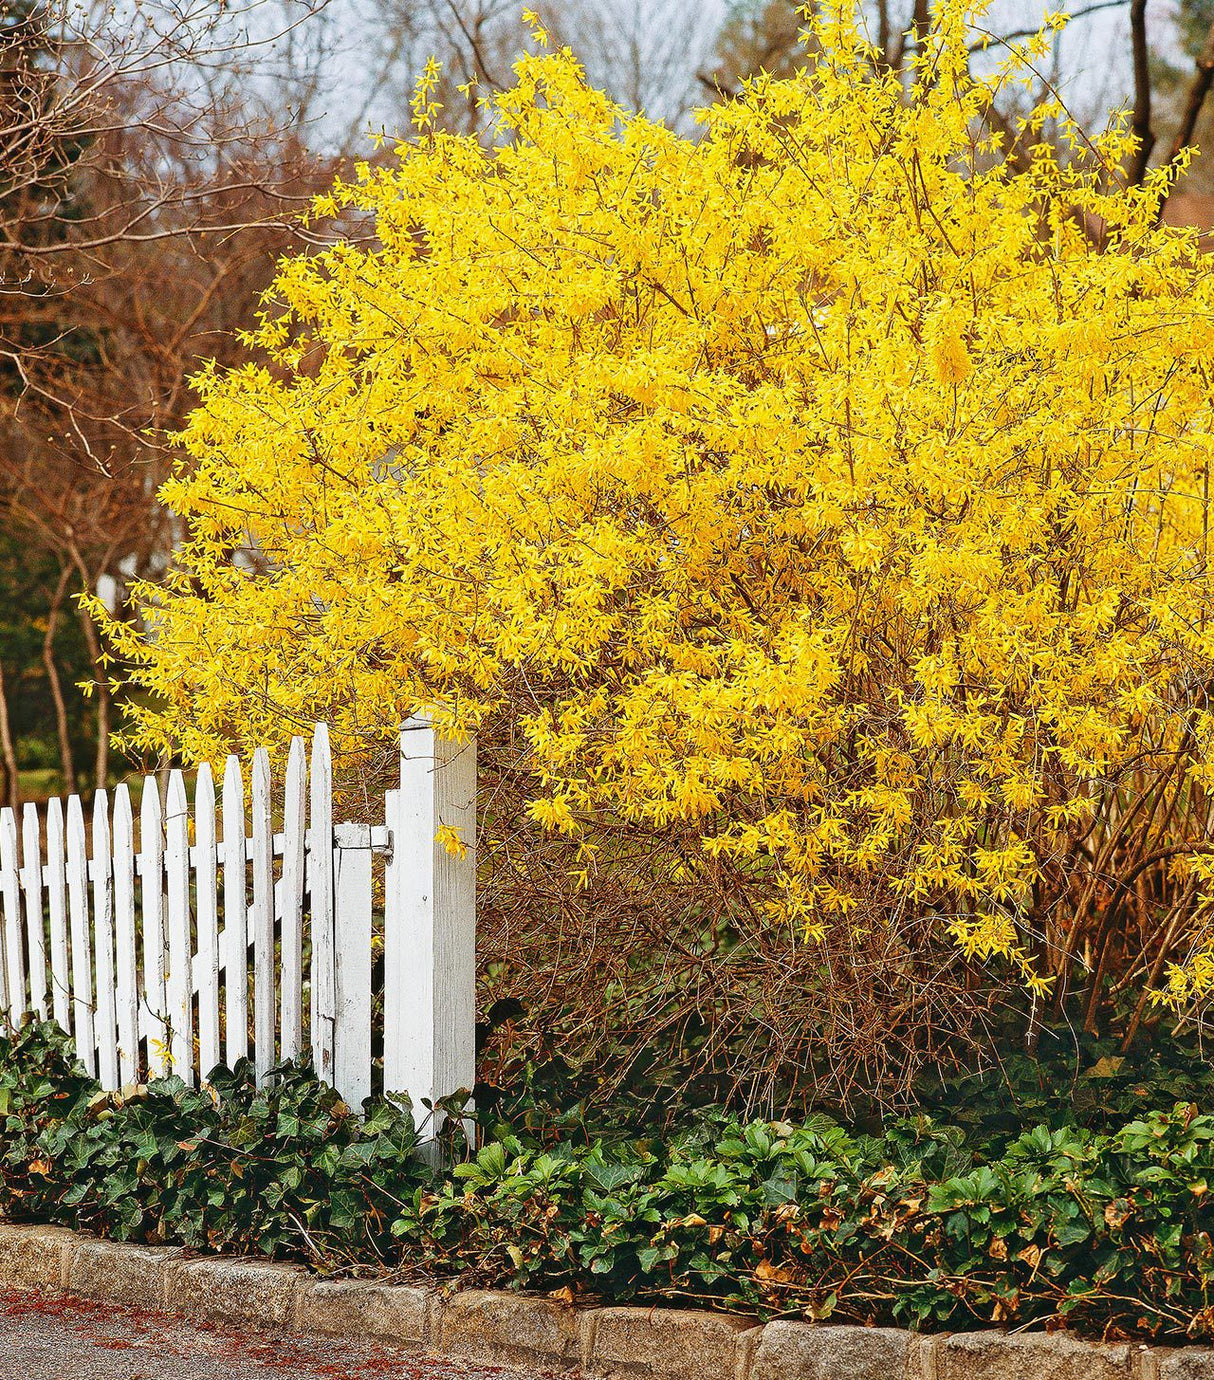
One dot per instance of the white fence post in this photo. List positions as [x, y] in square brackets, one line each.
[430, 923]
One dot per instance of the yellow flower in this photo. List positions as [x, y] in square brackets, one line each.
[950, 361]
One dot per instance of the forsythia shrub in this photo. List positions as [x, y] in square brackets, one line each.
[823, 494]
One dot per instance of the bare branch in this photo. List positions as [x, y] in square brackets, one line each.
[1199, 89]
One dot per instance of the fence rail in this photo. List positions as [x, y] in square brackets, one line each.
[182, 944]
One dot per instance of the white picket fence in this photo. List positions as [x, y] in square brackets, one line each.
[181, 945]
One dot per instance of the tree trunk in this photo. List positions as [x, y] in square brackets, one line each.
[883, 38]
[101, 696]
[66, 761]
[101, 683]
[922, 22]
[12, 789]
[1143, 132]
[1199, 89]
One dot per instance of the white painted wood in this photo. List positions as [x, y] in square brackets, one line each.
[126, 970]
[35, 918]
[352, 920]
[396, 1070]
[323, 984]
[263, 916]
[97, 983]
[430, 943]
[179, 981]
[14, 941]
[291, 912]
[82, 958]
[4, 1014]
[207, 911]
[235, 951]
[151, 893]
[105, 1016]
[56, 900]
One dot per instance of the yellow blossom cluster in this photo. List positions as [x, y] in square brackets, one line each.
[819, 485]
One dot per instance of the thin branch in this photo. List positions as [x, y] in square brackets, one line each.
[1072, 17]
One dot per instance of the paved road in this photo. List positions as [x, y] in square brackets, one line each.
[51, 1337]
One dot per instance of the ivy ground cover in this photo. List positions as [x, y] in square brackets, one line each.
[1107, 1230]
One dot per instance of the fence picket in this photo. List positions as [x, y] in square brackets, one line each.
[263, 917]
[10, 889]
[126, 979]
[35, 925]
[235, 918]
[320, 891]
[207, 903]
[291, 961]
[105, 1016]
[56, 897]
[113, 978]
[178, 988]
[352, 948]
[82, 958]
[151, 896]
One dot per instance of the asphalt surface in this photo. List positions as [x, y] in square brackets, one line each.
[56, 1337]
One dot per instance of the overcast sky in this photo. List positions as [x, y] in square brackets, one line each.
[645, 52]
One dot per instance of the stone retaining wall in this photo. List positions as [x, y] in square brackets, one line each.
[541, 1333]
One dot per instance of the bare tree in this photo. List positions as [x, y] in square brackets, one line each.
[644, 53]
[152, 175]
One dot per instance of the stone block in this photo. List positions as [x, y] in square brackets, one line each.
[353, 1308]
[120, 1273]
[509, 1329]
[234, 1291]
[1030, 1356]
[921, 1356]
[811, 1351]
[668, 1344]
[1187, 1363]
[34, 1257]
